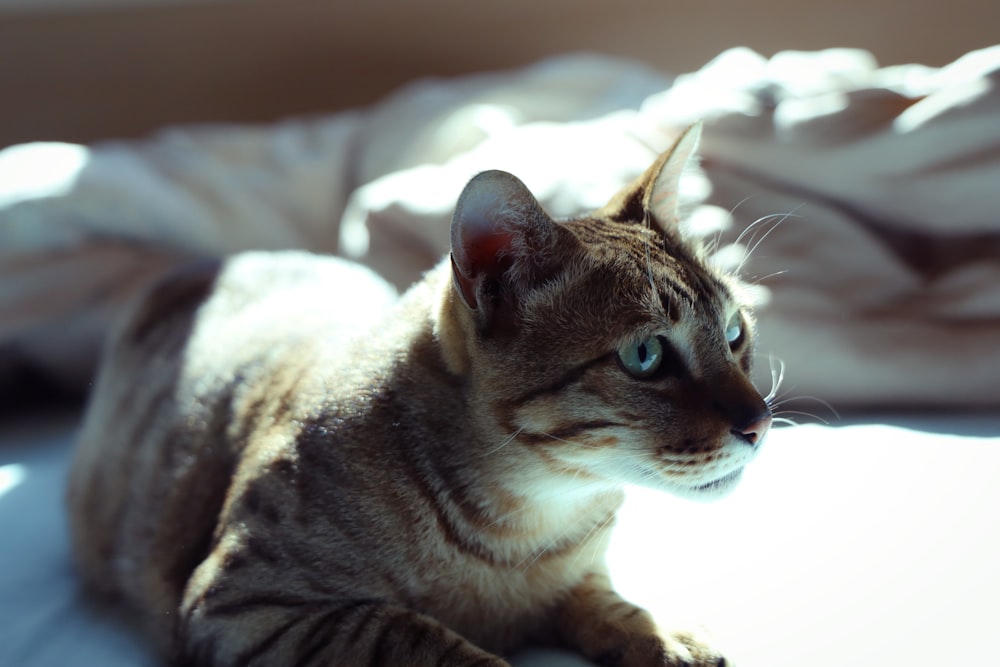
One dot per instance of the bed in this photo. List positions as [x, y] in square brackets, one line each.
[861, 544]
[867, 535]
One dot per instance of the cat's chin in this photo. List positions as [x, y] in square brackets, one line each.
[713, 490]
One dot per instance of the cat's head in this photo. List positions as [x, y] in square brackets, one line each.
[606, 346]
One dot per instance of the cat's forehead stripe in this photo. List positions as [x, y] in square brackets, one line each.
[670, 308]
[678, 282]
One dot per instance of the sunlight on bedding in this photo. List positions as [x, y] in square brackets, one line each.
[37, 170]
[856, 545]
[483, 119]
[840, 547]
[11, 475]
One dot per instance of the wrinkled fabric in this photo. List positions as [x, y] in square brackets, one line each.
[867, 197]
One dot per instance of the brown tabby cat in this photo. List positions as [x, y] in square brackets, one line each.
[440, 489]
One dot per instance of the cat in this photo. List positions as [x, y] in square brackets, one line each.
[266, 485]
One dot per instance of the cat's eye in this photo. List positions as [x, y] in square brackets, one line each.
[734, 331]
[642, 359]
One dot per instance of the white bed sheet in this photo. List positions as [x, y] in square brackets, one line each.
[869, 194]
[865, 544]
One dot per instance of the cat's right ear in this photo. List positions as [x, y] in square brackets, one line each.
[654, 198]
[501, 242]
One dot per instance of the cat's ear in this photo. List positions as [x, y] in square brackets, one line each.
[502, 242]
[655, 196]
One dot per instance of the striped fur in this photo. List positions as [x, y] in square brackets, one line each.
[268, 487]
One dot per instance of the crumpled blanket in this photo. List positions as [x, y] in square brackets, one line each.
[861, 201]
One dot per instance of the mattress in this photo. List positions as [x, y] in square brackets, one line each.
[872, 542]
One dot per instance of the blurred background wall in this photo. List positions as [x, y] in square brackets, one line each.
[82, 70]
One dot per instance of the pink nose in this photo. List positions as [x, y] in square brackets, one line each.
[754, 432]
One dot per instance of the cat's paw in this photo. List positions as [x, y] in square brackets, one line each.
[675, 649]
[688, 650]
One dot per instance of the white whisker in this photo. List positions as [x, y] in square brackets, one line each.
[732, 211]
[754, 243]
[569, 442]
[712, 245]
[798, 398]
[752, 227]
[757, 281]
[511, 438]
[601, 525]
[777, 377]
[801, 413]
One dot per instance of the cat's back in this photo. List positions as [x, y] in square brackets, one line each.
[213, 352]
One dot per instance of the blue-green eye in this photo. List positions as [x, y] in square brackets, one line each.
[734, 331]
[642, 359]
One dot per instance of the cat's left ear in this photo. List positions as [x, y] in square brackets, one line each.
[655, 196]
[502, 244]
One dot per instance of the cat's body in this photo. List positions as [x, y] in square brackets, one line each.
[269, 489]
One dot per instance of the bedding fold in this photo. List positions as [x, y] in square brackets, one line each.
[864, 199]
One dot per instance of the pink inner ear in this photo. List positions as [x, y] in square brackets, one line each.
[481, 251]
[486, 250]
[496, 221]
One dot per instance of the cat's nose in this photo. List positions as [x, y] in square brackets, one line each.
[753, 432]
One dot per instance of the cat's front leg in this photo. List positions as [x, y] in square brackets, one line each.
[612, 632]
[342, 634]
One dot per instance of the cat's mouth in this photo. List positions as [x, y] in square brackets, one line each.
[721, 485]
